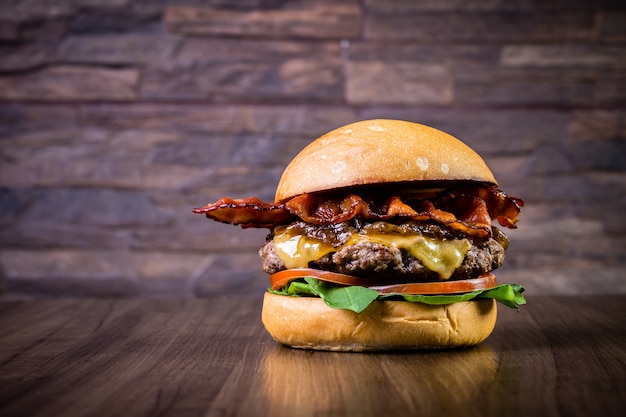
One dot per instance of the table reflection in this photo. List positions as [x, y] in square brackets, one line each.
[300, 382]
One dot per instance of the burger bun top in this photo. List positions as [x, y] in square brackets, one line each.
[377, 152]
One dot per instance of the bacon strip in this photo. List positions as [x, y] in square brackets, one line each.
[248, 212]
[500, 206]
[474, 218]
[469, 209]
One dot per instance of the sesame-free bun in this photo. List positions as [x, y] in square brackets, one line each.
[380, 151]
[308, 323]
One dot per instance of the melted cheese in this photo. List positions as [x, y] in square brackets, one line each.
[440, 256]
[296, 251]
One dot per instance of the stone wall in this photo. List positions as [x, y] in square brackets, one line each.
[117, 117]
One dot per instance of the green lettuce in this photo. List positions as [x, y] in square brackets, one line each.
[356, 298]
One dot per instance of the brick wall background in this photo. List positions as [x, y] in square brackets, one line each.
[119, 116]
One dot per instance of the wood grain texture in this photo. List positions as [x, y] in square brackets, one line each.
[559, 356]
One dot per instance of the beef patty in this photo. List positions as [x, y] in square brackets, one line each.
[372, 259]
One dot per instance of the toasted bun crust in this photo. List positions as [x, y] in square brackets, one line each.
[380, 151]
[308, 323]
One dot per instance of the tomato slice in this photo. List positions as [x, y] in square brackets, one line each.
[282, 278]
[485, 281]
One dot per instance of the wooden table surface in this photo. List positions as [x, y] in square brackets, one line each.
[559, 356]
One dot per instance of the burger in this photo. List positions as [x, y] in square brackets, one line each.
[382, 237]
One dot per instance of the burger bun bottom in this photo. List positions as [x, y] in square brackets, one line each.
[308, 323]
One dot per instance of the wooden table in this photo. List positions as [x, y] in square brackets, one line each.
[559, 356]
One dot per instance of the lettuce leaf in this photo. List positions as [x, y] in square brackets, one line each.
[357, 298]
[349, 297]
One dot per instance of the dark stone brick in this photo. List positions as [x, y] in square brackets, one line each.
[598, 156]
[94, 207]
[37, 30]
[573, 86]
[16, 117]
[9, 31]
[197, 234]
[221, 279]
[611, 216]
[201, 51]
[27, 57]
[549, 160]
[12, 204]
[71, 83]
[597, 125]
[564, 56]
[568, 279]
[482, 27]
[573, 238]
[613, 26]
[21, 11]
[151, 118]
[224, 118]
[610, 91]
[78, 287]
[48, 235]
[608, 188]
[508, 169]
[270, 81]
[115, 21]
[376, 82]
[410, 6]
[424, 53]
[116, 49]
[267, 150]
[241, 5]
[88, 272]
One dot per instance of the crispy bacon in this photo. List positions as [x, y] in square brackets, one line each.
[500, 206]
[248, 212]
[469, 210]
[469, 215]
